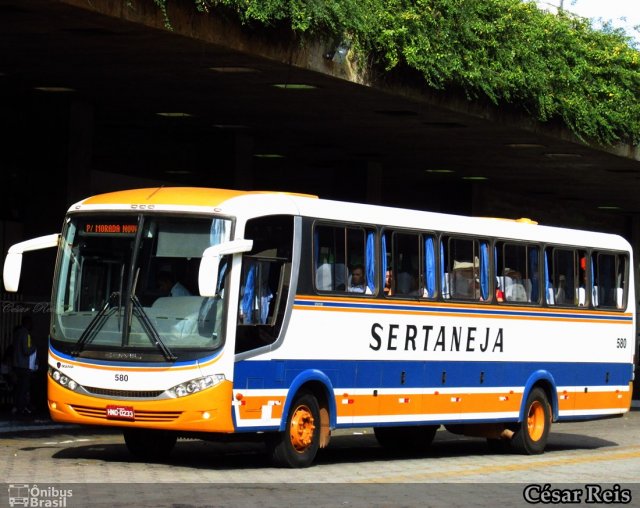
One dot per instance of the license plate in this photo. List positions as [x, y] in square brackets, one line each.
[120, 413]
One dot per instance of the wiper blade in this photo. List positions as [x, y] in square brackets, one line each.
[151, 331]
[95, 324]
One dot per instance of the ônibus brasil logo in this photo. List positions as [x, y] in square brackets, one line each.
[23, 494]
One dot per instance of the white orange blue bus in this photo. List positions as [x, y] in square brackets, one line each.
[492, 328]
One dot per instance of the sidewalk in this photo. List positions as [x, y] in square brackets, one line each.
[11, 423]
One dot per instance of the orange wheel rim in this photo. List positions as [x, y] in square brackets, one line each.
[301, 429]
[535, 421]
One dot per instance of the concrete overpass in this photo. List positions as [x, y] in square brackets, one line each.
[99, 95]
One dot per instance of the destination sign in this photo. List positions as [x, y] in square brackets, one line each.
[112, 228]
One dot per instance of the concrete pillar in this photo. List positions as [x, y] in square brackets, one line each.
[374, 183]
[80, 150]
[243, 159]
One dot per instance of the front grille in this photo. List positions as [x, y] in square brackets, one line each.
[131, 394]
[140, 416]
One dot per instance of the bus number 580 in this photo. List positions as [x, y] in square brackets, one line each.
[621, 343]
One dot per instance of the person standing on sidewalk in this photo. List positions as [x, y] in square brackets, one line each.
[24, 348]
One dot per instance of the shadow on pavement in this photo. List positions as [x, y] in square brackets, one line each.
[344, 449]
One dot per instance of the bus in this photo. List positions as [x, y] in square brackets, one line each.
[492, 328]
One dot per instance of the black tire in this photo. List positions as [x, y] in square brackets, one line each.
[149, 443]
[531, 434]
[298, 445]
[417, 438]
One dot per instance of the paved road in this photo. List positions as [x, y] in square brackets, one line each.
[353, 471]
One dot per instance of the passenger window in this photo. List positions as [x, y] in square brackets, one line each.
[517, 273]
[608, 280]
[466, 265]
[409, 264]
[406, 264]
[565, 280]
[344, 259]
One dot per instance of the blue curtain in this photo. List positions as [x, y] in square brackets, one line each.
[443, 282]
[384, 256]
[547, 285]
[594, 296]
[371, 261]
[247, 297]
[430, 266]
[217, 233]
[221, 275]
[484, 271]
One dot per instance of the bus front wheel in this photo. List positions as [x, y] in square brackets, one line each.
[298, 444]
[149, 443]
[531, 435]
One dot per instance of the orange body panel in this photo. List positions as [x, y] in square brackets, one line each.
[598, 400]
[251, 407]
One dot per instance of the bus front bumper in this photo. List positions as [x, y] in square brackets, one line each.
[206, 411]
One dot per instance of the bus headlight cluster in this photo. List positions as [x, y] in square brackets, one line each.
[195, 385]
[63, 379]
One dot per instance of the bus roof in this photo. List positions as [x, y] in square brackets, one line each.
[177, 196]
[247, 204]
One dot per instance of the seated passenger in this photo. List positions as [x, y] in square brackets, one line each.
[357, 283]
[388, 283]
[405, 283]
[560, 296]
[169, 286]
[463, 279]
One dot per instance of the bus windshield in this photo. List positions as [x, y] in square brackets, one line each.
[129, 282]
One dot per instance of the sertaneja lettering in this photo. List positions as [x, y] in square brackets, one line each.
[396, 337]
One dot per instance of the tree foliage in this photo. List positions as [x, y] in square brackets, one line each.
[554, 67]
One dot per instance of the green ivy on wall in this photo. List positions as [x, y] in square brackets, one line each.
[554, 67]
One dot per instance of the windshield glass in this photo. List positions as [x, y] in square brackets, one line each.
[131, 281]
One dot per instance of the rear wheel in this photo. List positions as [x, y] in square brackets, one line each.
[149, 443]
[298, 444]
[406, 438]
[531, 435]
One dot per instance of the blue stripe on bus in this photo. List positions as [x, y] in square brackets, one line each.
[435, 308]
[345, 374]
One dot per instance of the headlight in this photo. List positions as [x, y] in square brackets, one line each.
[195, 385]
[63, 379]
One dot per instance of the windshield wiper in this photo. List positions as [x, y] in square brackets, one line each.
[95, 324]
[151, 331]
[120, 295]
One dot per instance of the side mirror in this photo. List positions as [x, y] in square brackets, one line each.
[210, 264]
[13, 261]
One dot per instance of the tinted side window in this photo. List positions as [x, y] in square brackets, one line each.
[517, 277]
[608, 280]
[565, 277]
[465, 262]
[344, 259]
